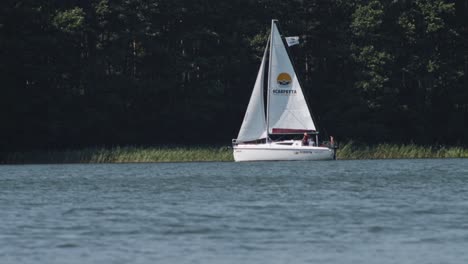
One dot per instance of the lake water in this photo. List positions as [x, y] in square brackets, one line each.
[380, 211]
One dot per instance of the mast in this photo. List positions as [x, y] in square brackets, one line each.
[269, 74]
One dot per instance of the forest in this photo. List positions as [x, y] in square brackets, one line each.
[84, 73]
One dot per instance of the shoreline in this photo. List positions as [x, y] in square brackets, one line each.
[167, 154]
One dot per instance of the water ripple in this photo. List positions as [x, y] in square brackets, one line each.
[380, 211]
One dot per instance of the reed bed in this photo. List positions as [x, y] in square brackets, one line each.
[120, 155]
[132, 154]
[352, 150]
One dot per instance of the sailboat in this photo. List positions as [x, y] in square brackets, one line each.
[262, 136]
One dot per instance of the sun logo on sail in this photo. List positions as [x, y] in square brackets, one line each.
[284, 79]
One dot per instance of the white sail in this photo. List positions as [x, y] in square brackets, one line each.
[287, 108]
[254, 125]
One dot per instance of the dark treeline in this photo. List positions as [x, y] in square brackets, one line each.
[78, 73]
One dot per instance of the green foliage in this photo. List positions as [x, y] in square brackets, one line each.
[367, 18]
[374, 63]
[434, 12]
[131, 72]
[70, 21]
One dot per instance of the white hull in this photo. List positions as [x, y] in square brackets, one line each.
[278, 152]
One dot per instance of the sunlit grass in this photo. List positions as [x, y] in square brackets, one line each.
[351, 150]
[132, 154]
[121, 155]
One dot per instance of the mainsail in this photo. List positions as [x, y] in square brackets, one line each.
[287, 107]
[254, 125]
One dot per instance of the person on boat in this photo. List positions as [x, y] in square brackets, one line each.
[305, 140]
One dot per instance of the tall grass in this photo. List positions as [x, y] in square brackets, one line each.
[352, 150]
[348, 150]
[120, 155]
